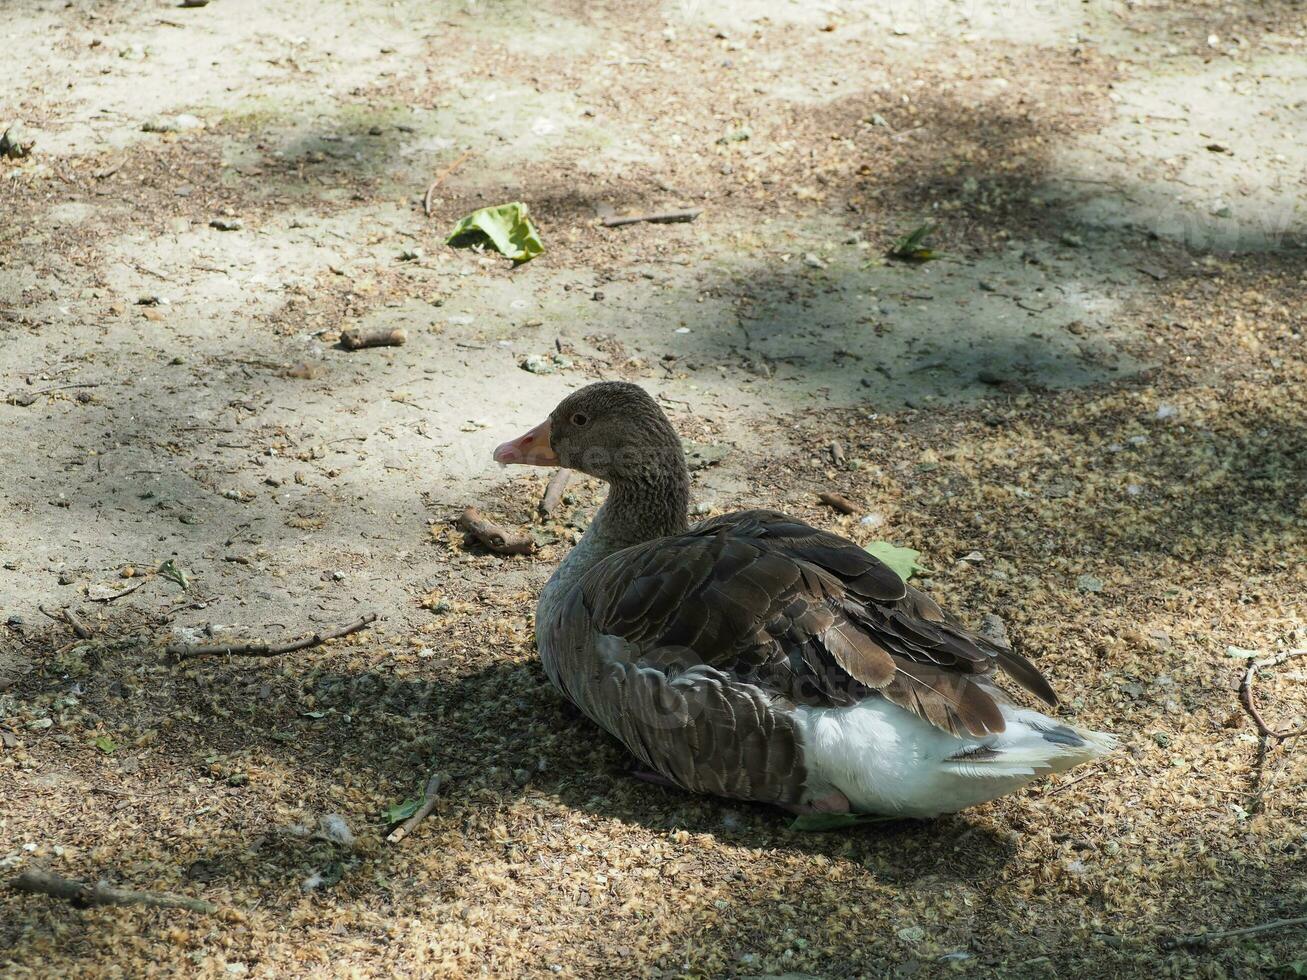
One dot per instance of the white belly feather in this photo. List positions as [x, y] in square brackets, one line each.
[887, 760]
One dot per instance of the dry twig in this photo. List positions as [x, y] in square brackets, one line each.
[79, 628]
[657, 218]
[440, 177]
[498, 539]
[1095, 771]
[36, 881]
[1203, 938]
[264, 649]
[127, 591]
[25, 398]
[420, 814]
[554, 492]
[840, 502]
[1250, 704]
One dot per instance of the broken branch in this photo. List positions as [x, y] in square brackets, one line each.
[127, 591]
[25, 398]
[71, 619]
[420, 814]
[554, 492]
[838, 501]
[498, 539]
[263, 649]
[440, 178]
[359, 339]
[657, 218]
[1203, 938]
[1250, 704]
[35, 881]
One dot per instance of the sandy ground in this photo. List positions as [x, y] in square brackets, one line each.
[1098, 389]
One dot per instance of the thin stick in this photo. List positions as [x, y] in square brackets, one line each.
[498, 539]
[85, 384]
[127, 591]
[264, 649]
[35, 881]
[420, 814]
[440, 177]
[657, 218]
[83, 631]
[1250, 705]
[74, 622]
[1203, 938]
[840, 502]
[554, 492]
[25, 398]
[1070, 782]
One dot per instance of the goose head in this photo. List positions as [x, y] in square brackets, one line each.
[611, 430]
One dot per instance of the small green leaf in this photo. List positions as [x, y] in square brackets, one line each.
[105, 744]
[506, 227]
[313, 714]
[174, 574]
[401, 811]
[901, 561]
[912, 246]
[818, 823]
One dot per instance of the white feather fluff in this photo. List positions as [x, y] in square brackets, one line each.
[887, 760]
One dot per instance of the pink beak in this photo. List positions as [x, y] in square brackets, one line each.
[532, 449]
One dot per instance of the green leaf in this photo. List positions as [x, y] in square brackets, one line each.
[506, 227]
[174, 574]
[819, 823]
[401, 811]
[105, 744]
[912, 246]
[313, 714]
[901, 561]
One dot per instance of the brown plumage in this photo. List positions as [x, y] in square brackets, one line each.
[805, 615]
[701, 648]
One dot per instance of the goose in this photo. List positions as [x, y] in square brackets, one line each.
[754, 657]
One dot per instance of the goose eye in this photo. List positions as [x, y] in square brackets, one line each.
[580, 418]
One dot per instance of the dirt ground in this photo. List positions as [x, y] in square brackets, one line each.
[1088, 415]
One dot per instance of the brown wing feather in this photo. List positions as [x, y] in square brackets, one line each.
[804, 615]
[954, 702]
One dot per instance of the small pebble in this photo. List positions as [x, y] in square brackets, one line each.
[1088, 583]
